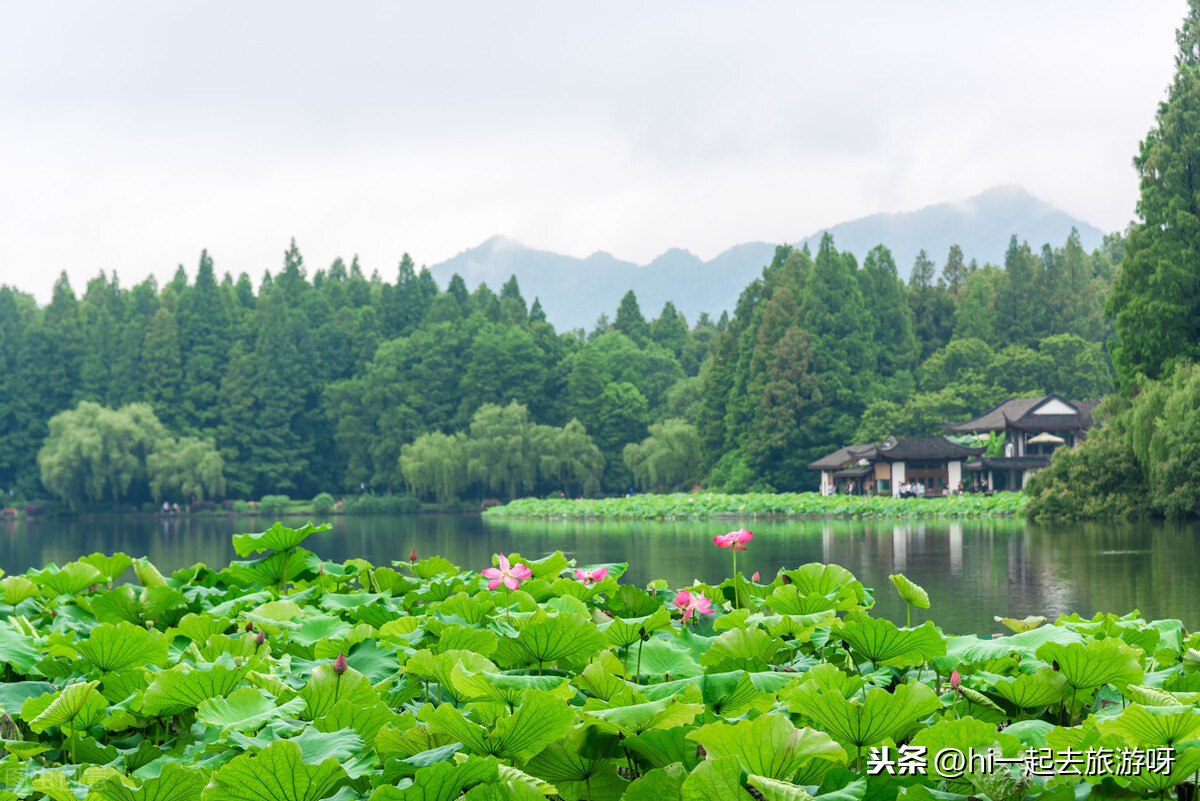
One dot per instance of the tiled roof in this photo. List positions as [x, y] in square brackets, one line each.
[843, 456]
[1049, 422]
[925, 448]
[994, 418]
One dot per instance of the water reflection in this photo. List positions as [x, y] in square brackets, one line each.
[973, 570]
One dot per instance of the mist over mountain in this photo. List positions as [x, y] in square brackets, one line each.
[575, 292]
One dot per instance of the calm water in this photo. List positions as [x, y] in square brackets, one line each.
[972, 570]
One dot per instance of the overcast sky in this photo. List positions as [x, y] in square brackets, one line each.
[132, 135]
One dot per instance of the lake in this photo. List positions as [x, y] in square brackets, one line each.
[972, 569]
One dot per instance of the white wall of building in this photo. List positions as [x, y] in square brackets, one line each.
[954, 476]
[897, 478]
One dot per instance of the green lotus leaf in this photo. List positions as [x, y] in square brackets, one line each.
[147, 574]
[116, 646]
[731, 694]
[198, 628]
[76, 707]
[175, 783]
[630, 602]
[659, 784]
[574, 773]
[962, 734]
[1041, 688]
[668, 657]
[56, 786]
[768, 745]
[1187, 763]
[391, 582]
[321, 627]
[117, 687]
[13, 695]
[1031, 733]
[277, 538]
[462, 638]
[472, 609]
[505, 689]
[326, 687]
[718, 779]
[884, 644]
[442, 781]
[1093, 664]
[540, 720]
[743, 649]
[788, 600]
[857, 724]
[71, 579]
[636, 718]
[179, 689]
[798, 627]
[599, 681]
[775, 790]
[910, 592]
[1153, 727]
[110, 567]
[23, 749]
[17, 589]
[433, 567]
[128, 604]
[1027, 623]
[245, 710]
[276, 773]
[970, 649]
[663, 747]
[823, 579]
[16, 648]
[826, 677]
[440, 668]
[547, 639]
[366, 722]
[267, 571]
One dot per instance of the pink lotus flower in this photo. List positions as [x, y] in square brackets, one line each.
[955, 680]
[339, 664]
[688, 603]
[590, 577]
[510, 576]
[734, 539]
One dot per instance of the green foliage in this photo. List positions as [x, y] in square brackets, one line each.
[323, 503]
[444, 699]
[669, 459]
[702, 505]
[274, 505]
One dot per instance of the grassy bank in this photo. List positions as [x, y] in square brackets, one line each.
[715, 504]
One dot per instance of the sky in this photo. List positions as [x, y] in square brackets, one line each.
[133, 135]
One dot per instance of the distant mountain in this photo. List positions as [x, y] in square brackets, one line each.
[575, 292]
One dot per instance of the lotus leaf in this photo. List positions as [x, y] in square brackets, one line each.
[1153, 727]
[859, 724]
[175, 783]
[16, 649]
[116, 646]
[276, 773]
[574, 775]
[71, 579]
[963, 734]
[179, 689]
[551, 638]
[1095, 663]
[1031, 690]
[277, 538]
[659, 784]
[768, 745]
[911, 593]
[76, 707]
[636, 718]
[718, 779]
[881, 642]
[245, 710]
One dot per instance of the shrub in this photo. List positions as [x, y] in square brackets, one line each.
[203, 506]
[383, 505]
[241, 507]
[272, 505]
[323, 503]
[32, 509]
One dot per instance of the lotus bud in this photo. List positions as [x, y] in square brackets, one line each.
[754, 578]
[642, 633]
[1054, 665]
[955, 680]
[787, 579]
[339, 664]
[412, 556]
[249, 627]
[261, 638]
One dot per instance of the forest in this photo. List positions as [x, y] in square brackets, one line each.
[335, 381]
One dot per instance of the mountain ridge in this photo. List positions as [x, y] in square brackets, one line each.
[576, 291]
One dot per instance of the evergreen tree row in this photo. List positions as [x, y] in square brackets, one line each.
[319, 382]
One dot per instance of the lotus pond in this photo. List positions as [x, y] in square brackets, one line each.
[286, 676]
